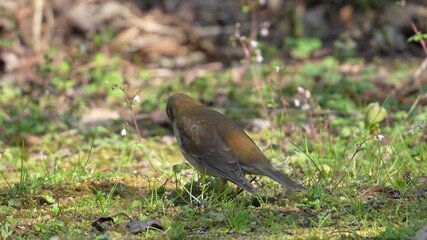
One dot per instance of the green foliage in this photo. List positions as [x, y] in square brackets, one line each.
[312, 69]
[246, 8]
[103, 37]
[204, 86]
[337, 103]
[269, 51]
[6, 43]
[144, 75]
[374, 114]
[330, 62]
[417, 37]
[391, 232]
[180, 167]
[26, 124]
[303, 47]
[49, 229]
[7, 227]
[237, 218]
[177, 231]
[345, 47]
[8, 93]
[62, 84]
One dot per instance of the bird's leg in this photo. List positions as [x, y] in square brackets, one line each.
[221, 187]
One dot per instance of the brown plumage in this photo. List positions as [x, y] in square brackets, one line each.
[216, 146]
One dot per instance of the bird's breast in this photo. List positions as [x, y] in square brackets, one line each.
[177, 135]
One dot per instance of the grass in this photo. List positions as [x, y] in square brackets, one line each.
[359, 185]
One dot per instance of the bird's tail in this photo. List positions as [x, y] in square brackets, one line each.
[284, 180]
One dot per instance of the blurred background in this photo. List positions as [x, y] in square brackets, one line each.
[60, 59]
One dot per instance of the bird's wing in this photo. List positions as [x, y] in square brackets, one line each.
[209, 149]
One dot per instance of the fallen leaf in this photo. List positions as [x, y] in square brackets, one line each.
[103, 224]
[133, 226]
[136, 226]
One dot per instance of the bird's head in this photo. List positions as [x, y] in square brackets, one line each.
[179, 103]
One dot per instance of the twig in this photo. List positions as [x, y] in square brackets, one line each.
[246, 50]
[415, 81]
[129, 105]
[422, 42]
[254, 19]
[359, 148]
[420, 69]
[37, 24]
[50, 22]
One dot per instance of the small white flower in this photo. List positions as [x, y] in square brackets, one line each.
[258, 56]
[136, 99]
[411, 131]
[301, 90]
[380, 137]
[297, 103]
[307, 94]
[123, 132]
[254, 44]
[277, 68]
[264, 32]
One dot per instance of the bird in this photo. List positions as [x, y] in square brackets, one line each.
[216, 146]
